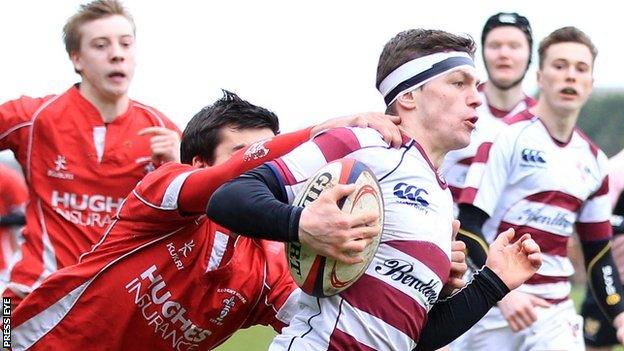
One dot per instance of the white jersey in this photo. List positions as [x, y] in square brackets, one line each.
[491, 122]
[538, 185]
[387, 307]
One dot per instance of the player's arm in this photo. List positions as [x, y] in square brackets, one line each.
[15, 118]
[256, 204]
[450, 318]
[595, 234]
[507, 267]
[200, 185]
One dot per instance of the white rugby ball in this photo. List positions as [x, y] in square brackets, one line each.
[318, 275]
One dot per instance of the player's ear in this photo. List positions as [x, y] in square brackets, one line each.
[74, 56]
[199, 163]
[406, 100]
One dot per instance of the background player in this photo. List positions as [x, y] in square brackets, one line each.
[597, 329]
[506, 47]
[387, 307]
[543, 176]
[177, 280]
[82, 151]
[13, 196]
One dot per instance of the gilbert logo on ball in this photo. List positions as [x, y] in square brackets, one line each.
[318, 275]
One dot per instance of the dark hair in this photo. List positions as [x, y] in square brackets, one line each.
[512, 19]
[91, 11]
[415, 43]
[202, 134]
[565, 35]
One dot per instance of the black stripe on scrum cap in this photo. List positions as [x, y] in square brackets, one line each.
[436, 69]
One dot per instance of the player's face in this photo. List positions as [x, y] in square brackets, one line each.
[506, 55]
[448, 108]
[106, 57]
[565, 79]
[233, 140]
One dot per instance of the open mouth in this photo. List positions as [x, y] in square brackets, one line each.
[117, 75]
[473, 120]
[569, 91]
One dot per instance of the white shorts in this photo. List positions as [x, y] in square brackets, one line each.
[557, 328]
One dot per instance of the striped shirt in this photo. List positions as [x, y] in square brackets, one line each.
[531, 182]
[387, 307]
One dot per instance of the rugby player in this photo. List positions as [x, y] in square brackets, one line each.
[428, 79]
[544, 176]
[164, 277]
[83, 150]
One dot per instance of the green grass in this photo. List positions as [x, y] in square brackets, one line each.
[258, 338]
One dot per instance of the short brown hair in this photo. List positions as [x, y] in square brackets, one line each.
[565, 35]
[89, 12]
[415, 43]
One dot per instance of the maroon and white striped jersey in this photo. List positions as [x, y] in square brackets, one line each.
[490, 123]
[387, 307]
[531, 182]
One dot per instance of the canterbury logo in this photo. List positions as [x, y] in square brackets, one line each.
[530, 155]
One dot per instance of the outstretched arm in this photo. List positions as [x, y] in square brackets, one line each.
[255, 205]
[199, 185]
[507, 267]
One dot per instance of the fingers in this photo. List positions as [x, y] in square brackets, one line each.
[394, 119]
[529, 245]
[455, 228]
[536, 260]
[522, 318]
[455, 283]
[337, 192]
[460, 246]
[536, 301]
[503, 239]
[366, 220]
[458, 269]
[386, 126]
[155, 131]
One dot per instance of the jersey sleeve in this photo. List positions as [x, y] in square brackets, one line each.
[487, 176]
[197, 189]
[155, 198]
[296, 167]
[593, 222]
[279, 302]
[12, 189]
[183, 191]
[15, 118]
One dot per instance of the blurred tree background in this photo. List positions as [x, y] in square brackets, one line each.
[602, 119]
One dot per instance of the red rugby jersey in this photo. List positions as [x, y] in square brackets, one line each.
[78, 170]
[162, 278]
[13, 195]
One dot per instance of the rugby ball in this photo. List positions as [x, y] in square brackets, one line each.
[318, 275]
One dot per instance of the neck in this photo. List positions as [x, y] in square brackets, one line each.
[560, 124]
[504, 100]
[109, 107]
[426, 141]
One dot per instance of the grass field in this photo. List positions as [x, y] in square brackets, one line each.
[258, 338]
